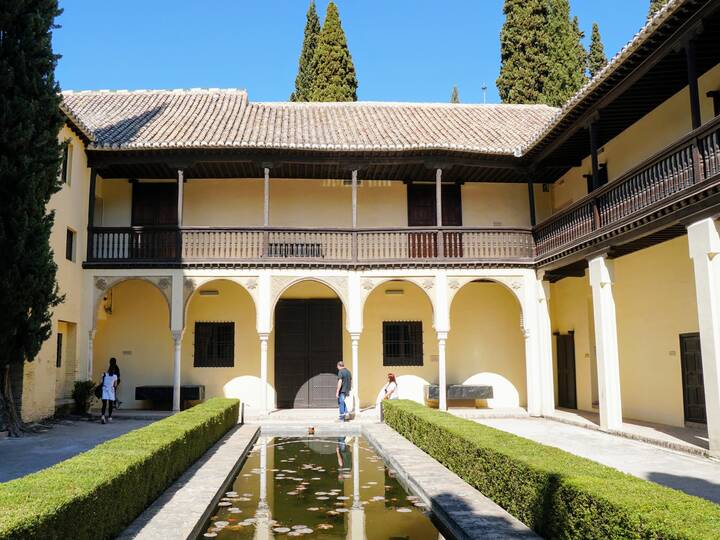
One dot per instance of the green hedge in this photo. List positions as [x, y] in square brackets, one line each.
[96, 494]
[557, 494]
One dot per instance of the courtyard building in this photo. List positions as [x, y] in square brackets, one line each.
[563, 258]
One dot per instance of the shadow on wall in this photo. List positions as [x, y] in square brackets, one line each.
[249, 390]
[504, 392]
[689, 484]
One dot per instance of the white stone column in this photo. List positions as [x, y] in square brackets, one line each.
[608, 363]
[264, 336]
[442, 379]
[355, 343]
[704, 243]
[177, 358]
[90, 353]
[547, 377]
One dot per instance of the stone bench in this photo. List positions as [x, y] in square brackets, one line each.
[163, 395]
[459, 392]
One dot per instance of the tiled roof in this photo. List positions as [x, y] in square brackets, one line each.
[226, 119]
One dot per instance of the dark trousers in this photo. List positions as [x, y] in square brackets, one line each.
[106, 403]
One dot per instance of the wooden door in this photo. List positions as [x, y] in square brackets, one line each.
[567, 392]
[308, 346]
[154, 208]
[422, 212]
[692, 378]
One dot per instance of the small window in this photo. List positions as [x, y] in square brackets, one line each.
[66, 173]
[402, 343]
[58, 354]
[70, 241]
[214, 344]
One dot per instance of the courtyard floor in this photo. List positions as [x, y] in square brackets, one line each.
[32, 452]
[694, 475]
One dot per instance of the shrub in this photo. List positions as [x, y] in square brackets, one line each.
[557, 494]
[96, 494]
[82, 395]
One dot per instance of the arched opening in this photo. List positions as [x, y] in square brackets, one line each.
[307, 342]
[220, 346]
[485, 345]
[398, 337]
[133, 326]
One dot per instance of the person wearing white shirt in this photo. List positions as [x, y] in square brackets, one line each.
[391, 388]
[109, 383]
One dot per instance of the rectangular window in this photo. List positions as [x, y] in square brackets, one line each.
[402, 343]
[58, 354]
[66, 171]
[70, 245]
[214, 344]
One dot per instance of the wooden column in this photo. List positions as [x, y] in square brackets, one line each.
[692, 77]
[438, 202]
[595, 182]
[91, 213]
[266, 211]
[354, 215]
[531, 202]
[181, 186]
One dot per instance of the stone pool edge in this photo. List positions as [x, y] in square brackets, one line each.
[461, 509]
[181, 511]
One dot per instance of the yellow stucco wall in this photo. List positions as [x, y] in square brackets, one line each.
[70, 207]
[656, 130]
[495, 205]
[655, 302]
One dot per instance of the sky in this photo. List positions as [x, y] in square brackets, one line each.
[403, 50]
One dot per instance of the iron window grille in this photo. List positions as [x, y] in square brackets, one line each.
[402, 343]
[214, 344]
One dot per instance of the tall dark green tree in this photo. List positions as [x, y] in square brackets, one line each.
[596, 55]
[567, 56]
[335, 78]
[306, 67]
[29, 164]
[455, 96]
[655, 6]
[524, 51]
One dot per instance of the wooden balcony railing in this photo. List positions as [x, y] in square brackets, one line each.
[262, 245]
[659, 180]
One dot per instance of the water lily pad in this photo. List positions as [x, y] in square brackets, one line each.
[221, 524]
[281, 530]
[313, 509]
[343, 510]
[324, 526]
[224, 503]
[210, 535]
[343, 498]
[404, 510]
[306, 530]
[322, 498]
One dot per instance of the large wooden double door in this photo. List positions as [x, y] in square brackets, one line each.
[308, 346]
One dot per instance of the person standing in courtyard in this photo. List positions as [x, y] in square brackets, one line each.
[391, 388]
[109, 383]
[344, 384]
[115, 370]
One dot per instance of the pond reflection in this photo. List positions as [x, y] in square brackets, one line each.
[320, 487]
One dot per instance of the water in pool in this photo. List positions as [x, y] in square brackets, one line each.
[320, 487]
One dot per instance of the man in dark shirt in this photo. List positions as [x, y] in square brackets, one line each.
[343, 389]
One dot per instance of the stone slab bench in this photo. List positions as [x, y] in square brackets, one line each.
[465, 392]
[164, 394]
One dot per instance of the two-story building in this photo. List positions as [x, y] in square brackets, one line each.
[564, 257]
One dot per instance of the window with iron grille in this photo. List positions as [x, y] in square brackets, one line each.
[214, 344]
[402, 343]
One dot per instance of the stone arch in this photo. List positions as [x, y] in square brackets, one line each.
[104, 284]
[193, 284]
[370, 284]
[281, 284]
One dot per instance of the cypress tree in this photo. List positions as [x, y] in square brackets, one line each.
[306, 68]
[596, 56]
[524, 48]
[29, 165]
[567, 56]
[455, 97]
[655, 6]
[335, 78]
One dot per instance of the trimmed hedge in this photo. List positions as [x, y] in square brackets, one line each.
[96, 494]
[557, 494]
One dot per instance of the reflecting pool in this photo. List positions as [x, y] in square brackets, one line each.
[320, 487]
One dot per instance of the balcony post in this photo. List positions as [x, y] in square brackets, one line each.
[595, 181]
[438, 202]
[91, 213]
[180, 199]
[266, 211]
[690, 57]
[354, 216]
[531, 202]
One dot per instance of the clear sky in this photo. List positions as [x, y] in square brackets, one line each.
[404, 50]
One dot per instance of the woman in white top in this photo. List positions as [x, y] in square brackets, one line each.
[109, 382]
[391, 388]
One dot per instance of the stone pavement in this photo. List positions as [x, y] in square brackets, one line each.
[466, 512]
[35, 451]
[184, 506]
[692, 474]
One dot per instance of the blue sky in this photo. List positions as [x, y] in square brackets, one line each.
[404, 50]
